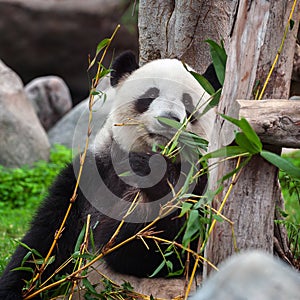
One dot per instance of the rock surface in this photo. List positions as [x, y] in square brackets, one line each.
[23, 139]
[252, 276]
[71, 130]
[54, 37]
[50, 98]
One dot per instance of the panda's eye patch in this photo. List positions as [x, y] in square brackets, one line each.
[143, 102]
[189, 107]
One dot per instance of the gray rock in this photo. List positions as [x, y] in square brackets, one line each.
[71, 130]
[23, 139]
[50, 98]
[43, 37]
[252, 276]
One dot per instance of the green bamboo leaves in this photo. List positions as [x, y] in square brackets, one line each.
[248, 142]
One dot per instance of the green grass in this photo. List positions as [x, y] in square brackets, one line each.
[21, 191]
[13, 225]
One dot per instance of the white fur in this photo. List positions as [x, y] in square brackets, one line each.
[131, 129]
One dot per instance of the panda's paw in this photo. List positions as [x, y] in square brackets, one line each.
[153, 173]
[143, 164]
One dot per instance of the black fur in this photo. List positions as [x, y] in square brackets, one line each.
[142, 104]
[124, 65]
[133, 258]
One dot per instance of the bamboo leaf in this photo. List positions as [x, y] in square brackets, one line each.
[89, 286]
[169, 265]
[214, 102]
[170, 122]
[208, 196]
[100, 47]
[219, 59]
[203, 82]
[243, 141]
[158, 269]
[230, 174]
[35, 252]
[26, 269]
[218, 218]
[185, 208]
[25, 258]
[176, 273]
[192, 227]
[227, 151]
[281, 163]
[80, 239]
[249, 132]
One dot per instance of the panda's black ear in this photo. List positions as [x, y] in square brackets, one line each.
[211, 76]
[123, 65]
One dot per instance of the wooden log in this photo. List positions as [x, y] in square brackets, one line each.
[277, 122]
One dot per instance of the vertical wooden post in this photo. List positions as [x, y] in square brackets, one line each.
[256, 37]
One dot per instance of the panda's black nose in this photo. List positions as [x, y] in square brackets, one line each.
[169, 115]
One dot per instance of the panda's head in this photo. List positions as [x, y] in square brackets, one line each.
[161, 88]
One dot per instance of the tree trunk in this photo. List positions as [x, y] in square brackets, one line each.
[169, 29]
[252, 31]
[257, 34]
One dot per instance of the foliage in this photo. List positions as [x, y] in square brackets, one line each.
[21, 190]
[13, 224]
[248, 142]
[130, 16]
[219, 59]
[26, 186]
[291, 194]
[291, 185]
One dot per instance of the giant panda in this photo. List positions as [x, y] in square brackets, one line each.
[161, 88]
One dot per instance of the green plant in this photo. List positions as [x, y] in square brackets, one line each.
[21, 190]
[13, 224]
[291, 194]
[26, 186]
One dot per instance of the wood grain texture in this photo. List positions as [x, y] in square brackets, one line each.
[169, 29]
[277, 122]
[256, 37]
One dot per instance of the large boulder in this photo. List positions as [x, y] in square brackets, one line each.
[55, 37]
[71, 130]
[50, 98]
[23, 139]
